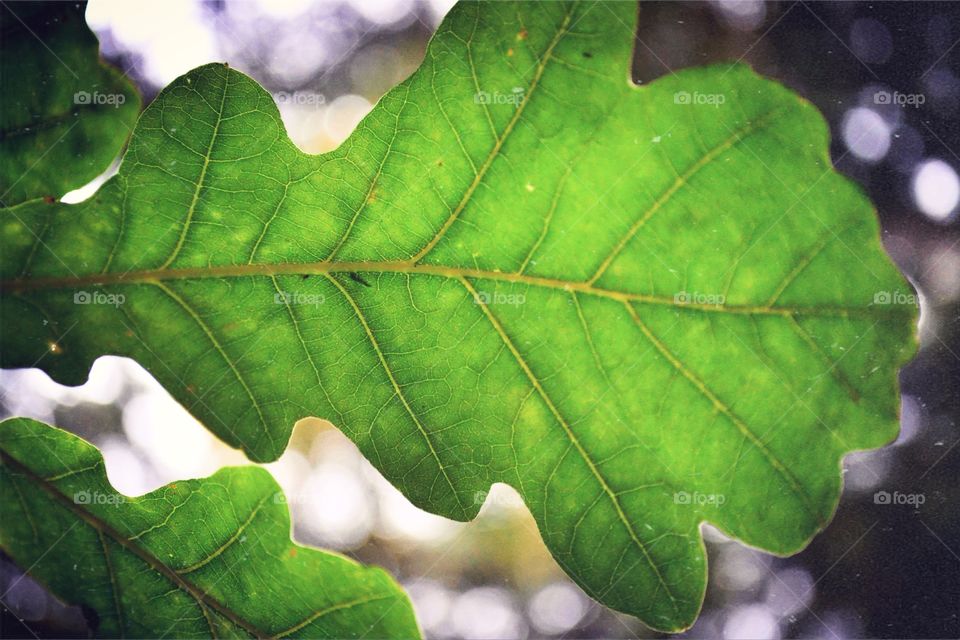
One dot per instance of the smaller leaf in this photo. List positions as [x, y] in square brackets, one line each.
[64, 115]
[197, 558]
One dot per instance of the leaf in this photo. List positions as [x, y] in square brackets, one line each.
[64, 114]
[196, 558]
[511, 272]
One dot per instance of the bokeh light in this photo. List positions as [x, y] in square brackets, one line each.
[936, 189]
[866, 134]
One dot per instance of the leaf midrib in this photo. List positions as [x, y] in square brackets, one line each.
[407, 267]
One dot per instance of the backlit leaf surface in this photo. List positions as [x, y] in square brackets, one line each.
[642, 307]
[194, 559]
[64, 115]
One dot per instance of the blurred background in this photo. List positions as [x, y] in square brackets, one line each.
[885, 75]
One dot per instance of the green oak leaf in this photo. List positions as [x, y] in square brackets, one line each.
[64, 114]
[642, 307]
[196, 558]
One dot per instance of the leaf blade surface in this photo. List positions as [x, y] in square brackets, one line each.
[486, 284]
[65, 115]
[196, 558]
